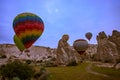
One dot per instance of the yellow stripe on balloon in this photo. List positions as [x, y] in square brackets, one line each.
[30, 33]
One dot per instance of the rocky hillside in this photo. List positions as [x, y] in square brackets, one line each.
[35, 52]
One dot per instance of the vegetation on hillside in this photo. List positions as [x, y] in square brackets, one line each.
[79, 72]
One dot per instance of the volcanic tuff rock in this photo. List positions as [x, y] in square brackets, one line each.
[35, 52]
[107, 50]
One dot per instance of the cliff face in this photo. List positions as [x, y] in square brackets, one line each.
[35, 52]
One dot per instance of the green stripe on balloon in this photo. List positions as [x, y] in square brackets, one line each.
[30, 38]
[18, 43]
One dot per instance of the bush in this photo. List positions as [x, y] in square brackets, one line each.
[73, 63]
[28, 61]
[43, 74]
[17, 69]
[3, 56]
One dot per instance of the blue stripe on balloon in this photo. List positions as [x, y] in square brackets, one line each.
[25, 18]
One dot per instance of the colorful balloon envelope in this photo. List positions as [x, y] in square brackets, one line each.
[28, 28]
[80, 45]
[88, 35]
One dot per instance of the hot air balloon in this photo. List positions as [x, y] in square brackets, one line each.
[28, 28]
[18, 43]
[88, 35]
[80, 45]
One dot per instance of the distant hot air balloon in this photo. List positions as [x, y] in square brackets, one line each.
[88, 35]
[80, 45]
[18, 43]
[28, 28]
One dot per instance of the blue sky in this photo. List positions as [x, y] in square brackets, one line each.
[72, 17]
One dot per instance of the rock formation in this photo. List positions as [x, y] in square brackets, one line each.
[91, 51]
[107, 50]
[115, 38]
[64, 52]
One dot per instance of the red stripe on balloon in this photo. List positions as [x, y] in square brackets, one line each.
[28, 25]
[28, 44]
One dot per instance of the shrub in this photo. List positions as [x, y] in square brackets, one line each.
[17, 69]
[28, 61]
[43, 74]
[72, 63]
[3, 56]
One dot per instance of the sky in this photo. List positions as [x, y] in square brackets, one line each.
[72, 17]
